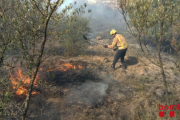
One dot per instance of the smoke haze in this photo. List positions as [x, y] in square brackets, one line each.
[104, 16]
[88, 94]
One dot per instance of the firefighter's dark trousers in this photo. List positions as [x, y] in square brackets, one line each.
[120, 53]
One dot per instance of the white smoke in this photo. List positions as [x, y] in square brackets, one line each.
[88, 94]
[92, 1]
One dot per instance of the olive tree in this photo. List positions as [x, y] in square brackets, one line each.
[151, 20]
[26, 26]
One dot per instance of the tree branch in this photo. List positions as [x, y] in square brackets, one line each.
[38, 61]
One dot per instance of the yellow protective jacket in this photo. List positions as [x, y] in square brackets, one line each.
[119, 41]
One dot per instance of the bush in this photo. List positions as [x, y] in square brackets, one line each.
[73, 42]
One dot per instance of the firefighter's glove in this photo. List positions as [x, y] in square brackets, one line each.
[105, 46]
[115, 48]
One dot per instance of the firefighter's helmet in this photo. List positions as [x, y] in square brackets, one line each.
[113, 31]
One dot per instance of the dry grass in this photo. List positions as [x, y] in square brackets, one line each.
[98, 93]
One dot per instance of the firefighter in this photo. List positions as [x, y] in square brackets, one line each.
[120, 43]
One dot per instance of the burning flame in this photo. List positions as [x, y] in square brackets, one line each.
[21, 83]
[66, 67]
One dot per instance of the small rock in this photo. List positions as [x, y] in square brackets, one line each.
[160, 92]
[98, 37]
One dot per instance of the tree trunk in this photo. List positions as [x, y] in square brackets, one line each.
[161, 64]
[27, 101]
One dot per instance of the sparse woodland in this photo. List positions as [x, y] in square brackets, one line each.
[49, 71]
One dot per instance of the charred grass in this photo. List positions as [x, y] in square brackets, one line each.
[96, 92]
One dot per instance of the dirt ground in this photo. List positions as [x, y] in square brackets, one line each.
[96, 92]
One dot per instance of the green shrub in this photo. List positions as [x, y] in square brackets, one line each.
[73, 42]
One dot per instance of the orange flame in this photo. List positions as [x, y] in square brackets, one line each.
[65, 67]
[21, 83]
